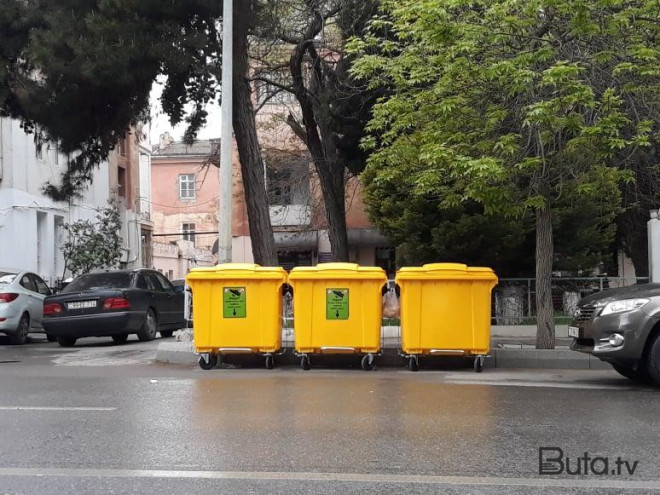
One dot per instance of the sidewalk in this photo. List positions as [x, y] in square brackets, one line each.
[511, 347]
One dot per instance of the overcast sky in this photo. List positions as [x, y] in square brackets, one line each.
[160, 123]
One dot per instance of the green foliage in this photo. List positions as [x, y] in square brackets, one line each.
[514, 104]
[94, 245]
[79, 72]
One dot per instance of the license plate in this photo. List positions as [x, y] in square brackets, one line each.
[574, 332]
[81, 305]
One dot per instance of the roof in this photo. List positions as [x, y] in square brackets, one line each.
[204, 147]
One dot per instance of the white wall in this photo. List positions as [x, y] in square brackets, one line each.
[30, 222]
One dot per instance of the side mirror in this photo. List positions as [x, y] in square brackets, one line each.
[179, 289]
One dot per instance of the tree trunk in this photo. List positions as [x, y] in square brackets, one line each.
[634, 238]
[264, 250]
[545, 331]
[333, 187]
[317, 134]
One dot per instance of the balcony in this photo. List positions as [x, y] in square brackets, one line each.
[290, 215]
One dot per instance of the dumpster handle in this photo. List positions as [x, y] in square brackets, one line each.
[341, 349]
[234, 349]
[449, 352]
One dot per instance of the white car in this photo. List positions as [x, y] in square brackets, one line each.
[21, 304]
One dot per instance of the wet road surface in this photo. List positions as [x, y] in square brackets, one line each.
[104, 418]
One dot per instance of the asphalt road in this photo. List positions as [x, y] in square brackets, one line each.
[104, 418]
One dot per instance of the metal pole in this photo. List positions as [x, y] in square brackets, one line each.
[225, 175]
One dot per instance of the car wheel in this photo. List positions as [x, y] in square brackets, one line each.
[638, 375]
[149, 328]
[21, 335]
[66, 341]
[166, 333]
[653, 361]
[51, 337]
[120, 338]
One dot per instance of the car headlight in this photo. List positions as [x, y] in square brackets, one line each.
[623, 306]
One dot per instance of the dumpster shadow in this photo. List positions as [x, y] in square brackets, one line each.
[389, 359]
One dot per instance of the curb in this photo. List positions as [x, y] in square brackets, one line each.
[176, 353]
[182, 353]
[546, 359]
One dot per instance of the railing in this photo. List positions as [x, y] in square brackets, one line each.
[514, 299]
[290, 215]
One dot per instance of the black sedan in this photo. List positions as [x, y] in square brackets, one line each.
[115, 304]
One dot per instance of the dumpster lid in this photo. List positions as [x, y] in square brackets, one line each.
[432, 267]
[327, 270]
[446, 271]
[438, 268]
[480, 269]
[236, 270]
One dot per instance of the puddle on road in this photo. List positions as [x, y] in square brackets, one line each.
[105, 357]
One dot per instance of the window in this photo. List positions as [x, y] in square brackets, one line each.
[28, 283]
[187, 186]
[56, 153]
[42, 288]
[7, 278]
[188, 230]
[142, 282]
[279, 187]
[164, 283]
[110, 280]
[270, 94]
[121, 181]
[288, 183]
[159, 282]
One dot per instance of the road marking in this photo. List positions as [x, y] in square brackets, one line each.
[335, 477]
[44, 408]
[519, 383]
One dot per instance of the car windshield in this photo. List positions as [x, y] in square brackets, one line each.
[7, 278]
[93, 281]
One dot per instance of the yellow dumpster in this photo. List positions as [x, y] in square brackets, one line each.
[337, 310]
[238, 309]
[445, 311]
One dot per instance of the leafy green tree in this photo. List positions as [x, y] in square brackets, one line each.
[93, 245]
[80, 72]
[514, 104]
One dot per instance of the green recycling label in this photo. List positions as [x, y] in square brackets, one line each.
[233, 302]
[336, 304]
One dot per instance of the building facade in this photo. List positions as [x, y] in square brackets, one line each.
[184, 205]
[31, 223]
[185, 195]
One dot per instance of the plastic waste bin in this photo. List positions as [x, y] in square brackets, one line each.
[337, 310]
[445, 311]
[238, 309]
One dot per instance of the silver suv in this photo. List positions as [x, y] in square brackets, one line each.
[622, 327]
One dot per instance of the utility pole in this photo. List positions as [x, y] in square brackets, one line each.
[225, 175]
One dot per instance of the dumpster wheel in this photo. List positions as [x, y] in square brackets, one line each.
[208, 361]
[368, 362]
[479, 363]
[304, 362]
[270, 362]
[413, 363]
